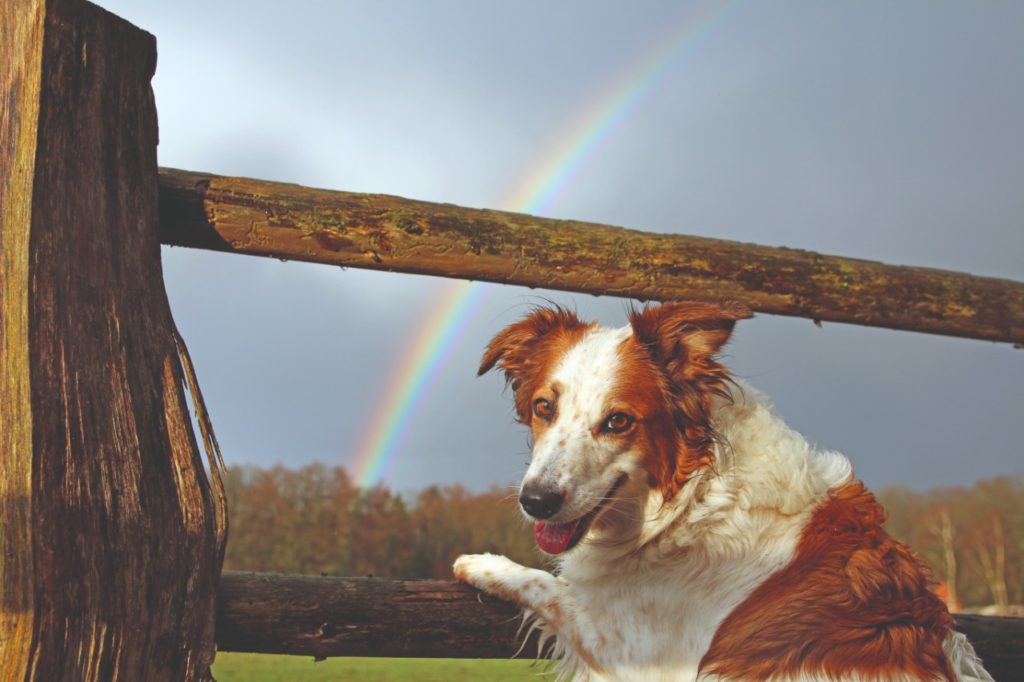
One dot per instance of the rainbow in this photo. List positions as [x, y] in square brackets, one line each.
[440, 330]
[413, 378]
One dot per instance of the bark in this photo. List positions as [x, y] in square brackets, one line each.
[998, 641]
[323, 617]
[112, 535]
[389, 233]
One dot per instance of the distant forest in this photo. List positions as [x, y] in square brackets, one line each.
[315, 521]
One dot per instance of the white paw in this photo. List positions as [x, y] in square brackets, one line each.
[505, 579]
[483, 570]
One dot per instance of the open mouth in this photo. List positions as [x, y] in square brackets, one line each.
[555, 538]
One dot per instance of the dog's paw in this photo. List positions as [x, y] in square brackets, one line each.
[483, 571]
[503, 578]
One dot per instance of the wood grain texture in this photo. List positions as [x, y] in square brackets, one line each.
[21, 40]
[999, 642]
[113, 535]
[323, 617]
[390, 233]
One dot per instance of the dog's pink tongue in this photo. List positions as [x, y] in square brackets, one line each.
[554, 538]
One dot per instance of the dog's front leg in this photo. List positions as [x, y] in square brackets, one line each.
[546, 595]
[529, 588]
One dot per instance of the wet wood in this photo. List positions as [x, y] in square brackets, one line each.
[390, 233]
[998, 641]
[112, 535]
[324, 617]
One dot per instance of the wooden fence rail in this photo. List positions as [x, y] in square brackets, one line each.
[389, 233]
[323, 617]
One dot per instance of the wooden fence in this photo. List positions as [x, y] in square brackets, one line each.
[112, 531]
[323, 617]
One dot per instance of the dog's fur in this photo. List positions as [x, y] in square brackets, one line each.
[723, 546]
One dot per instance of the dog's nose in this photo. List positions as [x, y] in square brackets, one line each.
[540, 503]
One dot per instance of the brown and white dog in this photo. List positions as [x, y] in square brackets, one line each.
[696, 535]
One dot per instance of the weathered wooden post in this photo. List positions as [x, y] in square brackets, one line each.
[111, 534]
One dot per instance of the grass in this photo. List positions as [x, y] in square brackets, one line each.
[233, 667]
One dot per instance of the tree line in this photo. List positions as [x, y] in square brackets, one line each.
[314, 520]
[973, 539]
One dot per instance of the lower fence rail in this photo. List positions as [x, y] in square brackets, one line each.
[326, 616]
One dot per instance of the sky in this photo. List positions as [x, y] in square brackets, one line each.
[878, 130]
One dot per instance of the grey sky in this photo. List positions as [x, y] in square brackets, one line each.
[881, 130]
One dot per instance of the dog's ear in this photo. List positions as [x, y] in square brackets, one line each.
[511, 347]
[684, 337]
[524, 349]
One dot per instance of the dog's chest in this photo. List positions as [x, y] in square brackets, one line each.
[655, 624]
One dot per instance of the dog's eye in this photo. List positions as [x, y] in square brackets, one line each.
[543, 409]
[618, 423]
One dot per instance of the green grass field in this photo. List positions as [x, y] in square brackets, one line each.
[232, 667]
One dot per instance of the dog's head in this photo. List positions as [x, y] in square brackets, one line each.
[611, 407]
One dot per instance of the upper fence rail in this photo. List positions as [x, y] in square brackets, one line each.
[383, 232]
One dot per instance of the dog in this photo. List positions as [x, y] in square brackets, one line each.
[696, 536]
